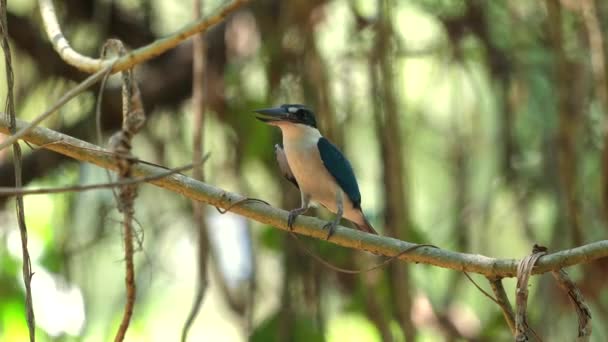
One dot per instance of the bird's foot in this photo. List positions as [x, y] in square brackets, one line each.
[331, 228]
[293, 214]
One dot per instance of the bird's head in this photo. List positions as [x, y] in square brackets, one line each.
[288, 114]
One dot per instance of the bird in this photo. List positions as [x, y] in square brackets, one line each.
[316, 166]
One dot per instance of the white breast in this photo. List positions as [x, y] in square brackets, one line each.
[300, 144]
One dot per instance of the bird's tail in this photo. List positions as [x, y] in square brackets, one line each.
[366, 226]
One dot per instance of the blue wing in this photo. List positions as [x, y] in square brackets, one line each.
[339, 167]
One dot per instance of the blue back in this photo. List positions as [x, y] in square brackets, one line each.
[339, 167]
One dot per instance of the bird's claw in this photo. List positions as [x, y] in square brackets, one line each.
[291, 219]
[331, 228]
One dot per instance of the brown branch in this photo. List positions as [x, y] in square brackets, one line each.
[12, 126]
[120, 143]
[503, 301]
[137, 56]
[310, 226]
[484, 292]
[524, 271]
[577, 299]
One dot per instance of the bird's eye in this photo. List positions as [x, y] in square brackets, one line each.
[301, 114]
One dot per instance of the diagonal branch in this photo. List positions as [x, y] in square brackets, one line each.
[55, 107]
[503, 302]
[576, 297]
[311, 226]
[137, 56]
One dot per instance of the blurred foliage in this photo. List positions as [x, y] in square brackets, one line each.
[501, 114]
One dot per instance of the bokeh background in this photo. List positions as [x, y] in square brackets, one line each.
[477, 126]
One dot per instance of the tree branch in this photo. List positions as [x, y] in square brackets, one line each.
[578, 301]
[90, 65]
[63, 100]
[311, 226]
[503, 302]
[10, 116]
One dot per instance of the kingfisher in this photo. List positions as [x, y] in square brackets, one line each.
[316, 166]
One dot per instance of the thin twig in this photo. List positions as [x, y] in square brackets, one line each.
[134, 57]
[82, 86]
[12, 125]
[80, 188]
[484, 292]
[350, 271]
[310, 226]
[241, 201]
[129, 278]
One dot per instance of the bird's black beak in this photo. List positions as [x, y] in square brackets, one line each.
[270, 115]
